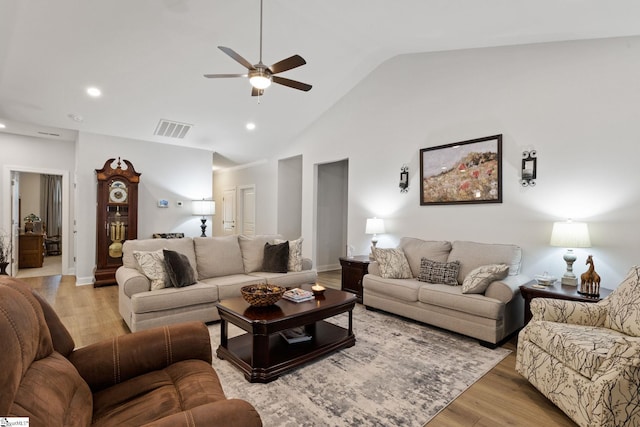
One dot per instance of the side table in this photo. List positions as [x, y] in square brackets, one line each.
[556, 291]
[353, 270]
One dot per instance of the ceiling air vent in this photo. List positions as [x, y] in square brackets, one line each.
[172, 129]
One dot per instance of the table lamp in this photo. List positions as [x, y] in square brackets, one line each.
[569, 234]
[374, 226]
[203, 208]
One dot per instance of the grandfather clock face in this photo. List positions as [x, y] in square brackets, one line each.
[118, 192]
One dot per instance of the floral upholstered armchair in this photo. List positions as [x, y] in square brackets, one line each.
[585, 357]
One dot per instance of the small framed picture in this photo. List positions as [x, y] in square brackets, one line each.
[162, 203]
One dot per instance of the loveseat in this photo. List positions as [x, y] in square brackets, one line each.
[466, 287]
[585, 357]
[160, 377]
[220, 267]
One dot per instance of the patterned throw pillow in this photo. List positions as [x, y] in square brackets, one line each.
[152, 265]
[392, 262]
[479, 279]
[439, 272]
[295, 253]
[624, 305]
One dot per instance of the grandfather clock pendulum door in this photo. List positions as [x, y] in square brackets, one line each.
[117, 217]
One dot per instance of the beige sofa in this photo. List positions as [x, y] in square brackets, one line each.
[489, 316]
[222, 266]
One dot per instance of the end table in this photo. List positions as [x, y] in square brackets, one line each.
[353, 270]
[556, 291]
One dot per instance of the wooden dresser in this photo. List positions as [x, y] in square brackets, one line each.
[31, 250]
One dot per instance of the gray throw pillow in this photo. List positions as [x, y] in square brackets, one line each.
[276, 258]
[178, 269]
[439, 272]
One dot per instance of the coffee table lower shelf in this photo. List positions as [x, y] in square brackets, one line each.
[283, 356]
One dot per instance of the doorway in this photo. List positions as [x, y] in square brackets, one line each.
[14, 212]
[331, 214]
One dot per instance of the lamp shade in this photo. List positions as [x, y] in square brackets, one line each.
[569, 234]
[203, 207]
[374, 226]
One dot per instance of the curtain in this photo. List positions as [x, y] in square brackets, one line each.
[51, 203]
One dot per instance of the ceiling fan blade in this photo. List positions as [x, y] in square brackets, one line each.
[292, 83]
[232, 53]
[223, 76]
[287, 64]
[256, 91]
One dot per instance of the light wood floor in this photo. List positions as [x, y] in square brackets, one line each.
[501, 398]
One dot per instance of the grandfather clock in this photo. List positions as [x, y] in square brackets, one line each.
[116, 217]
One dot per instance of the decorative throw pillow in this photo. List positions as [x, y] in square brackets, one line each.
[152, 265]
[178, 269]
[392, 262]
[479, 279]
[439, 272]
[276, 257]
[295, 253]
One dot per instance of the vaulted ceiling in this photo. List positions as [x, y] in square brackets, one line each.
[148, 57]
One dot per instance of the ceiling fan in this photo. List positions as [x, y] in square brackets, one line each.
[260, 75]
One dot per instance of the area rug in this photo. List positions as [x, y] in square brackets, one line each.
[399, 373]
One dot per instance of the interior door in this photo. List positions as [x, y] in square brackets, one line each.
[229, 211]
[247, 211]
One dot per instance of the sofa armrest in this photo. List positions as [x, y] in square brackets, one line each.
[307, 264]
[223, 413]
[132, 281]
[573, 312]
[374, 268]
[506, 289]
[110, 362]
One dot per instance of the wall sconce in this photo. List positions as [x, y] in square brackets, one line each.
[404, 179]
[529, 166]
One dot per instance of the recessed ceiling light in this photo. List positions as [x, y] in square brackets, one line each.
[250, 126]
[94, 92]
[2, 126]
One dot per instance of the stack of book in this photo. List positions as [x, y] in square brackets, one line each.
[298, 295]
[295, 335]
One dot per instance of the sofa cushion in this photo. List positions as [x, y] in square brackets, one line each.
[392, 262]
[479, 279]
[583, 348]
[178, 269]
[276, 257]
[252, 249]
[451, 297]
[218, 256]
[152, 265]
[624, 305]
[416, 249]
[473, 255]
[229, 286]
[439, 272]
[170, 298]
[398, 289]
[184, 246]
[295, 253]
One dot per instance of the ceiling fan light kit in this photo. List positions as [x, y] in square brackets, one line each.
[261, 76]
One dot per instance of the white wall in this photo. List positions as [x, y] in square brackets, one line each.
[576, 103]
[29, 195]
[168, 172]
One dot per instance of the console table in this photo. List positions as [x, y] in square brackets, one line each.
[556, 291]
[31, 250]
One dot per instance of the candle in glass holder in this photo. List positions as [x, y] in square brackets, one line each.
[317, 289]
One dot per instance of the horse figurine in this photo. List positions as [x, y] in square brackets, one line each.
[590, 280]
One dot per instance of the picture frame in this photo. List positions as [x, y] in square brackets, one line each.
[465, 172]
[163, 203]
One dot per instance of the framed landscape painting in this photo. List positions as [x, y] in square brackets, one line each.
[462, 172]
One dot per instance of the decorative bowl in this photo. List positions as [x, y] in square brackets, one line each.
[262, 295]
[545, 280]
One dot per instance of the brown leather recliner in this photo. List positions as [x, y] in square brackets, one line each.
[157, 377]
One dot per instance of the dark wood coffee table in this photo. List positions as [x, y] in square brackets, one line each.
[262, 354]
